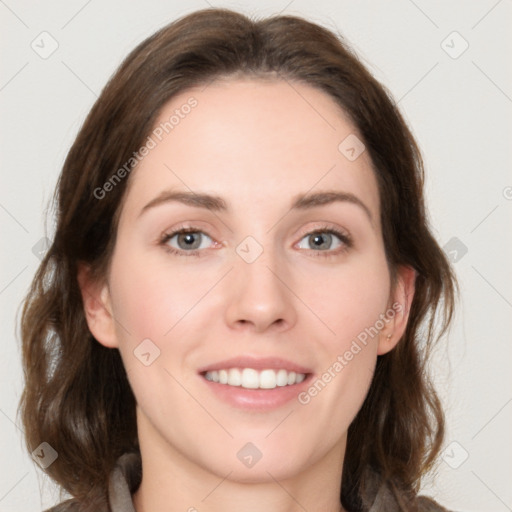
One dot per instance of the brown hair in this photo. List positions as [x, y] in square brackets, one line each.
[77, 397]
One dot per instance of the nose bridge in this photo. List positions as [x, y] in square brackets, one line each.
[258, 295]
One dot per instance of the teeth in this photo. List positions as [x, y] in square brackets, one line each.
[254, 379]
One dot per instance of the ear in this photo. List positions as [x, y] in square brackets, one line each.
[399, 307]
[97, 307]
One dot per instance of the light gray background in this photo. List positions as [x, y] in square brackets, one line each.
[460, 111]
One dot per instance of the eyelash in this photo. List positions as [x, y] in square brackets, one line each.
[345, 238]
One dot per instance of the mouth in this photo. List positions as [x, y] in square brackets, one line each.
[250, 378]
[259, 384]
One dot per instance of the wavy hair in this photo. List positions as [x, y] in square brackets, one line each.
[77, 396]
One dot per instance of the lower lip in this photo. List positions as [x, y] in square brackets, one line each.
[256, 399]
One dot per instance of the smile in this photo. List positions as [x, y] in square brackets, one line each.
[249, 378]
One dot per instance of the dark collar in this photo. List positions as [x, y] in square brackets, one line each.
[124, 481]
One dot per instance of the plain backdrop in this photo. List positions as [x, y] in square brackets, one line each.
[448, 66]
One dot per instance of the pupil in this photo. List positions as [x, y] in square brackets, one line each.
[188, 239]
[320, 240]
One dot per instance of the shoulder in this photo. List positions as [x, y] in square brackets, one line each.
[426, 504]
[66, 506]
[124, 480]
[389, 499]
[74, 505]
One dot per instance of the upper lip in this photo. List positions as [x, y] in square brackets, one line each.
[257, 363]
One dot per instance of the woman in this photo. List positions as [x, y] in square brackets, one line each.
[239, 302]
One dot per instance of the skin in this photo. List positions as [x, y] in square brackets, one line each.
[258, 145]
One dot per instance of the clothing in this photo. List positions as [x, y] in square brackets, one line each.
[126, 477]
[123, 482]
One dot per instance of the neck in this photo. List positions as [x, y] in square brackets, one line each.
[172, 482]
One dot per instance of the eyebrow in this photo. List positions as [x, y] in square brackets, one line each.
[307, 201]
[218, 204]
[207, 201]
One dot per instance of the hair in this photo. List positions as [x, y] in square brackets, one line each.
[77, 397]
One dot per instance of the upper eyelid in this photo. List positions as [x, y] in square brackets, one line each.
[342, 234]
[167, 235]
[197, 229]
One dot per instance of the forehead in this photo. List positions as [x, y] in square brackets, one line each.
[256, 143]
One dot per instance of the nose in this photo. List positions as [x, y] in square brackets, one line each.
[260, 296]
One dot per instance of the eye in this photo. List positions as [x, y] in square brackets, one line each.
[326, 240]
[186, 241]
[191, 241]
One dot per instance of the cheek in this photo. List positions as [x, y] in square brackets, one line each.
[350, 298]
[351, 308]
[351, 304]
[152, 297]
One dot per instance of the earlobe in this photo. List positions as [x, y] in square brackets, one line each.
[398, 309]
[97, 308]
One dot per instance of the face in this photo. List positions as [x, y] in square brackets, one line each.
[249, 293]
